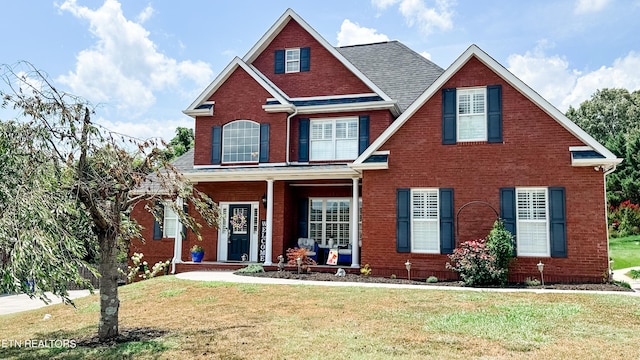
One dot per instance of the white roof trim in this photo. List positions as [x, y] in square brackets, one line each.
[275, 29]
[518, 84]
[276, 174]
[224, 75]
[320, 109]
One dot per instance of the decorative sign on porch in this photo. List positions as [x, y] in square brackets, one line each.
[332, 259]
[262, 251]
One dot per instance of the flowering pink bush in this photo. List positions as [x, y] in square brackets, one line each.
[475, 264]
[625, 219]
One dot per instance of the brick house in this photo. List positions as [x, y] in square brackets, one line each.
[380, 152]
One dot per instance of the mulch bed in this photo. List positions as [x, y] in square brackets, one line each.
[321, 276]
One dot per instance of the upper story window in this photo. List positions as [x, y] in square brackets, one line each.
[293, 60]
[334, 139]
[240, 142]
[472, 114]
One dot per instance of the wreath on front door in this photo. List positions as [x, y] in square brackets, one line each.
[238, 222]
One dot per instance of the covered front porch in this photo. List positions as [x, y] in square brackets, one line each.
[270, 210]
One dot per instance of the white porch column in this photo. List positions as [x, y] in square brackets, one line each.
[269, 245]
[177, 244]
[355, 238]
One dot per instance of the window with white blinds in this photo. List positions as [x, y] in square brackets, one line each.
[334, 139]
[170, 223]
[472, 115]
[532, 227]
[425, 234]
[330, 219]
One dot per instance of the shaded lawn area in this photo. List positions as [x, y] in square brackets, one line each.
[213, 320]
[625, 251]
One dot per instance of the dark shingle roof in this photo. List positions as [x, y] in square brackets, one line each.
[397, 70]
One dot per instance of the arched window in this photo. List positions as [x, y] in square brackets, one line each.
[241, 142]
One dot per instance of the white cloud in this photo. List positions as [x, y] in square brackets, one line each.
[417, 13]
[145, 14]
[553, 78]
[146, 129]
[352, 34]
[426, 55]
[124, 67]
[588, 6]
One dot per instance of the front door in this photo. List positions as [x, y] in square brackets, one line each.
[239, 220]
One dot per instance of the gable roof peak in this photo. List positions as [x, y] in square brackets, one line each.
[279, 25]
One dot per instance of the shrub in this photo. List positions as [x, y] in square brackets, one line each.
[143, 267]
[500, 244]
[252, 269]
[295, 253]
[625, 218]
[531, 282]
[432, 280]
[475, 264]
[366, 270]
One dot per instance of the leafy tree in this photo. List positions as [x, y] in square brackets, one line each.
[73, 184]
[612, 116]
[182, 142]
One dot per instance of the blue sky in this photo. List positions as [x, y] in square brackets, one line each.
[145, 62]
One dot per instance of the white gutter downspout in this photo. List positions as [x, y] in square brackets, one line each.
[295, 112]
[606, 215]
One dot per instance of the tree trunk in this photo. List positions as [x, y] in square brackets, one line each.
[109, 302]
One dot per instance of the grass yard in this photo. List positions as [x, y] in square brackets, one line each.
[625, 251]
[211, 320]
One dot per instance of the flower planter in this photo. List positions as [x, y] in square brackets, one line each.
[197, 256]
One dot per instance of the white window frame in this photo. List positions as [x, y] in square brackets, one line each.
[473, 116]
[323, 238]
[417, 219]
[292, 57]
[170, 217]
[254, 152]
[521, 222]
[332, 140]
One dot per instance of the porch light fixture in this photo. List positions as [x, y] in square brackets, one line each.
[264, 200]
[541, 269]
[408, 266]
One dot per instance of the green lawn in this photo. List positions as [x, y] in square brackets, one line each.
[625, 251]
[213, 320]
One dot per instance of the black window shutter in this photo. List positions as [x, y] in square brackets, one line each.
[558, 222]
[264, 143]
[279, 62]
[363, 137]
[447, 239]
[303, 140]
[303, 218]
[157, 228]
[494, 113]
[508, 212]
[305, 59]
[216, 144]
[403, 220]
[449, 112]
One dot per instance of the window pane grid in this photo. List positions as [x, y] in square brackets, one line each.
[241, 141]
[293, 60]
[334, 139]
[170, 223]
[330, 219]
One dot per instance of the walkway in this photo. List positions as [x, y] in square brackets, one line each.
[16, 303]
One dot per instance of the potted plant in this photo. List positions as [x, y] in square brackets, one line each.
[197, 252]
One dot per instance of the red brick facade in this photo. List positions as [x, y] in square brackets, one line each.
[534, 153]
